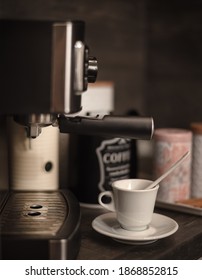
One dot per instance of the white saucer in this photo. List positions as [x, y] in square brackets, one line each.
[161, 226]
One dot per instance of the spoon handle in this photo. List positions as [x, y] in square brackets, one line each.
[175, 165]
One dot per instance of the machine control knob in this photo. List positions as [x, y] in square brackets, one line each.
[92, 69]
[86, 67]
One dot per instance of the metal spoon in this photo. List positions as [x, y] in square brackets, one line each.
[175, 165]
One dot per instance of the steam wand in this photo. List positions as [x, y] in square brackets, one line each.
[117, 126]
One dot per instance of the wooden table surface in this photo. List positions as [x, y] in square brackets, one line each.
[186, 243]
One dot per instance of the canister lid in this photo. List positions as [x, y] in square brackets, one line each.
[196, 127]
[98, 98]
[172, 135]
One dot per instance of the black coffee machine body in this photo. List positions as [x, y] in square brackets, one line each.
[45, 67]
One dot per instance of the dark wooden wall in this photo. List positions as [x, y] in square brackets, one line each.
[151, 49]
[174, 62]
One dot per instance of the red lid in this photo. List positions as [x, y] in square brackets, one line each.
[196, 127]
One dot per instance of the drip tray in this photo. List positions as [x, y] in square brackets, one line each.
[39, 225]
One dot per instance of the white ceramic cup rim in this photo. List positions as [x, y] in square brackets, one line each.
[126, 189]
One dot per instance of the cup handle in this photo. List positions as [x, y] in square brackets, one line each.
[109, 206]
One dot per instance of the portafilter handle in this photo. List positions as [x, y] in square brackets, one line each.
[116, 126]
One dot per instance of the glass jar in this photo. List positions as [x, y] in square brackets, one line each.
[169, 145]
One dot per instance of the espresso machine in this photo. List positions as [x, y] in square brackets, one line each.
[45, 67]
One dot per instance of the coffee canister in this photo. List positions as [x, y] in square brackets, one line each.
[169, 145]
[196, 186]
[97, 161]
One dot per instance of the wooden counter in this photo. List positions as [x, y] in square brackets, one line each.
[186, 243]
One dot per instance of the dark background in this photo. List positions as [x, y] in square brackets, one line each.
[151, 49]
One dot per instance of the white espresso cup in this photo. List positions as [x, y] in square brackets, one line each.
[133, 204]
